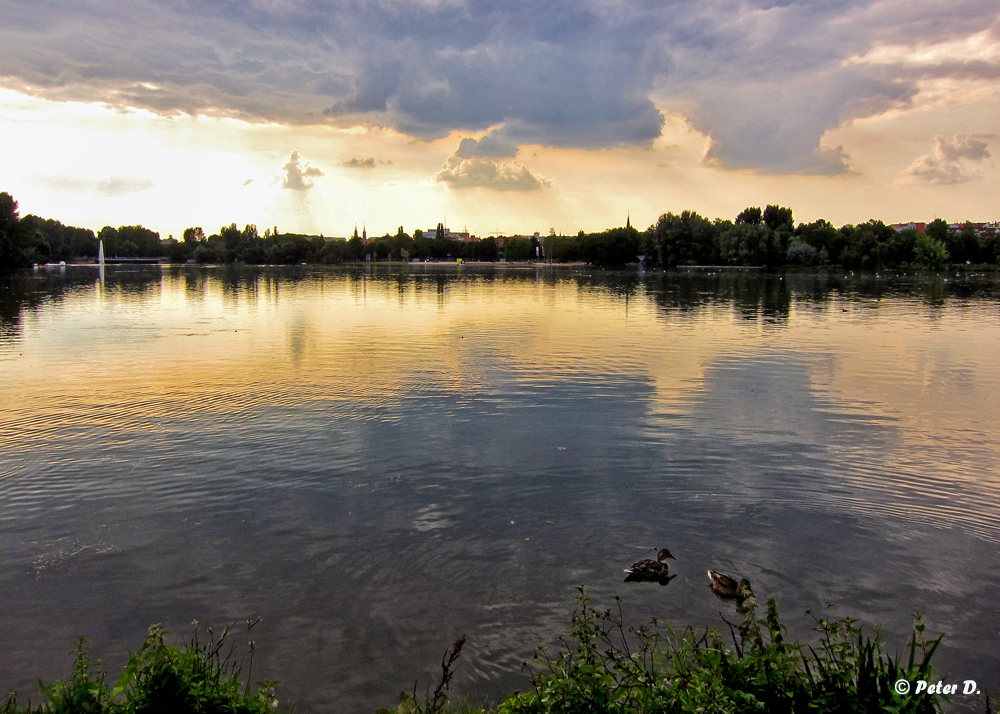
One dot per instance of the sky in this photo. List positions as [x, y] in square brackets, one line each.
[497, 116]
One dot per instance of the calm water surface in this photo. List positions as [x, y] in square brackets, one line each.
[377, 462]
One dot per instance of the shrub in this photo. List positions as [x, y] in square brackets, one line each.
[606, 666]
[190, 678]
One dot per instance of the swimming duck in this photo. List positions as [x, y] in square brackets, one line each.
[728, 587]
[655, 570]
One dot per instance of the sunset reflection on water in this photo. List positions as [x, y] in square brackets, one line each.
[370, 457]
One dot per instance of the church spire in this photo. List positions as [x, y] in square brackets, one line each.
[628, 220]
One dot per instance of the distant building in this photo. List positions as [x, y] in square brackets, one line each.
[919, 227]
[451, 235]
[982, 229]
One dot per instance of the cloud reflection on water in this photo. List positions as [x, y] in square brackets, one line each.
[371, 457]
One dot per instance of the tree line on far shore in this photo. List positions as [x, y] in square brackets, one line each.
[756, 237]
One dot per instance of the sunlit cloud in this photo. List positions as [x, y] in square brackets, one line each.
[482, 172]
[950, 162]
[979, 47]
[297, 173]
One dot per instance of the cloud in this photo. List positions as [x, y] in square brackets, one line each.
[358, 163]
[493, 145]
[961, 147]
[764, 79]
[973, 56]
[929, 170]
[124, 185]
[298, 173]
[484, 172]
[369, 163]
[111, 186]
[779, 128]
[950, 162]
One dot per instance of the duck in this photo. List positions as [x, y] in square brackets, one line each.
[728, 587]
[654, 570]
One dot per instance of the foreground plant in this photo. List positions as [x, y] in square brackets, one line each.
[160, 678]
[603, 666]
[608, 667]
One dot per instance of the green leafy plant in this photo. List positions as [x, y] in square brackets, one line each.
[195, 677]
[608, 667]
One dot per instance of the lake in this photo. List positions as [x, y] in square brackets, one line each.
[376, 461]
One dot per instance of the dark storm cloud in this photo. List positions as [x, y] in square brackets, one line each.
[764, 80]
[778, 126]
[492, 145]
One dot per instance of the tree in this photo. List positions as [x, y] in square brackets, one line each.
[177, 251]
[356, 248]
[779, 221]
[989, 246]
[19, 246]
[939, 230]
[871, 245]
[684, 240]
[197, 235]
[966, 245]
[64, 242]
[334, 251]
[750, 215]
[744, 244]
[930, 252]
[382, 248]
[83, 243]
[487, 251]
[518, 250]
[146, 242]
[900, 246]
[211, 251]
[289, 249]
[616, 246]
[109, 236]
[231, 238]
[801, 252]
[822, 236]
[402, 246]
[778, 218]
[566, 250]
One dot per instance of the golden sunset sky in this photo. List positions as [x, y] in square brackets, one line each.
[509, 116]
